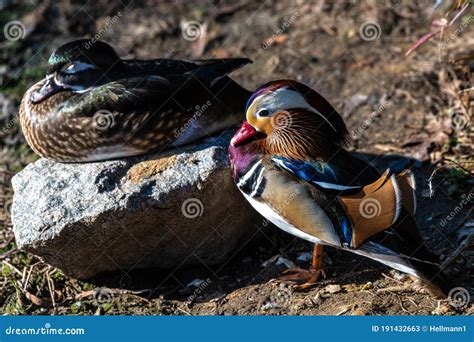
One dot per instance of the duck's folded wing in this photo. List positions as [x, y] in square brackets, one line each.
[121, 97]
[367, 209]
[125, 107]
[212, 70]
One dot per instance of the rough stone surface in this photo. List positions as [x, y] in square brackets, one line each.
[173, 209]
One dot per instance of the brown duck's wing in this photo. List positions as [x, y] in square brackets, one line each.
[125, 110]
[178, 72]
[128, 95]
[212, 70]
[168, 91]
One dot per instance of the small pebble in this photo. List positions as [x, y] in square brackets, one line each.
[304, 257]
[334, 288]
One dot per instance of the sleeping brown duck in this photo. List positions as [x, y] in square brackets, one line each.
[92, 105]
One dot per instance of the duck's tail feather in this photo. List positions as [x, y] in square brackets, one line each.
[436, 281]
[213, 70]
[402, 248]
[429, 273]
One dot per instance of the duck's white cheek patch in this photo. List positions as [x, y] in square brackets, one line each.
[285, 98]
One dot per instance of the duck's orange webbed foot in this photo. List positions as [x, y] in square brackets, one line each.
[305, 279]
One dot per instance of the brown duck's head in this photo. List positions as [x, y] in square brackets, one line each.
[288, 118]
[77, 66]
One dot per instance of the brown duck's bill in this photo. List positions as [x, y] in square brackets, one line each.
[245, 134]
[48, 89]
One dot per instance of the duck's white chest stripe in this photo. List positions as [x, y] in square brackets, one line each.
[259, 186]
[271, 215]
[249, 173]
[252, 183]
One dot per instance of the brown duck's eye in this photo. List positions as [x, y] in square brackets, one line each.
[76, 67]
[263, 113]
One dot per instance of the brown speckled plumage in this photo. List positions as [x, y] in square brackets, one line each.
[135, 107]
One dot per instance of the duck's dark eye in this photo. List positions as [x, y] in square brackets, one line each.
[76, 67]
[79, 76]
[263, 113]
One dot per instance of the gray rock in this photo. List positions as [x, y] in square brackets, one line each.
[169, 210]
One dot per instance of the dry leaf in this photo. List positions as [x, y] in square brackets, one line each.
[37, 300]
[281, 39]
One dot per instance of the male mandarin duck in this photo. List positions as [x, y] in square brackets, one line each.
[288, 160]
[93, 105]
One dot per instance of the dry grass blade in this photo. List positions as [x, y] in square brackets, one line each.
[443, 23]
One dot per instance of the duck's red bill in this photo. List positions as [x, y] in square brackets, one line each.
[245, 133]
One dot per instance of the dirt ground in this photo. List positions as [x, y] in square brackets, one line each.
[417, 109]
